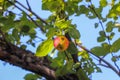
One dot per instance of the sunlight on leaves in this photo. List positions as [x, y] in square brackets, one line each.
[84, 54]
[103, 3]
[62, 24]
[44, 48]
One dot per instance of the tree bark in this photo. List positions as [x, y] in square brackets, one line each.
[24, 59]
[27, 60]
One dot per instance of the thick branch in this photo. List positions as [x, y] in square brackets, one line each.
[24, 59]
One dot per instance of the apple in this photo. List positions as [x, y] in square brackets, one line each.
[61, 43]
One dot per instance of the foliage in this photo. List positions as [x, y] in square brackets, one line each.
[31, 76]
[58, 23]
[44, 48]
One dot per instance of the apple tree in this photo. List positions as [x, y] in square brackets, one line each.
[61, 54]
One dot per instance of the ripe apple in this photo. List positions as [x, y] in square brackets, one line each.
[61, 43]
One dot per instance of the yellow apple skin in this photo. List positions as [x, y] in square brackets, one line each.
[61, 43]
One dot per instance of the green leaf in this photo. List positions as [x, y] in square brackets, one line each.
[7, 22]
[51, 5]
[72, 48]
[96, 25]
[62, 24]
[88, 0]
[111, 35]
[115, 11]
[84, 54]
[106, 47]
[104, 19]
[99, 51]
[25, 29]
[77, 65]
[111, 14]
[101, 39]
[66, 69]
[109, 26]
[72, 9]
[103, 3]
[74, 33]
[91, 16]
[31, 76]
[44, 48]
[114, 59]
[82, 10]
[82, 75]
[102, 36]
[51, 32]
[116, 46]
[24, 22]
[102, 33]
[58, 62]
[99, 11]
[119, 29]
[15, 34]
[98, 69]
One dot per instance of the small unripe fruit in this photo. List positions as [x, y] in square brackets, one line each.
[61, 43]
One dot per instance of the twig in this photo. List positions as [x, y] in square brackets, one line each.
[107, 63]
[28, 5]
[103, 65]
[32, 13]
[92, 8]
[104, 33]
[27, 15]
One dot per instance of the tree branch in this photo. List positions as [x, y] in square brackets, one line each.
[25, 59]
[107, 63]
[99, 18]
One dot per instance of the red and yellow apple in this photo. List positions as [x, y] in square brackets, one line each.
[61, 43]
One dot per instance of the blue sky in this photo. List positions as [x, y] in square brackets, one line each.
[88, 37]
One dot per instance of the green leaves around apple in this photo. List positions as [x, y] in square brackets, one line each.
[44, 48]
[74, 33]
